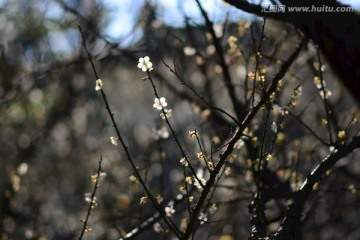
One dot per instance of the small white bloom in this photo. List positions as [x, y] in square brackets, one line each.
[159, 103]
[157, 227]
[114, 141]
[169, 210]
[159, 199]
[298, 91]
[199, 174]
[239, 143]
[227, 171]
[168, 113]
[203, 218]
[210, 166]
[98, 85]
[184, 162]
[327, 94]
[22, 169]
[103, 175]
[332, 149]
[189, 51]
[193, 134]
[88, 197]
[284, 111]
[162, 133]
[213, 208]
[274, 127]
[145, 64]
[143, 200]
[197, 183]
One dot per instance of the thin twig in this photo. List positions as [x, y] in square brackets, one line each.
[326, 104]
[210, 183]
[92, 201]
[198, 95]
[167, 220]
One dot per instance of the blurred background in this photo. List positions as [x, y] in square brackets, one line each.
[54, 126]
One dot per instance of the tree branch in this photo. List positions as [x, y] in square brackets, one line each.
[293, 215]
[223, 156]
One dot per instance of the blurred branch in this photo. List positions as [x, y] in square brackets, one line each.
[256, 9]
[293, 215]
[174, 71]
[238, 107]
[308, 128]
[92, 203]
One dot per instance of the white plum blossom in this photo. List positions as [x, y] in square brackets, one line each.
[98, 85]
[88, 197]
[157, 227]
[274, 127]
[184, 161]
[169, 210]
[189, 51]
[239, 143]
[284, 111]
[332, 149]
[159, 199]
[327, 94]
[203, 218]
[159, 103]
[22, 169]
[143, 200]
[168, 113]
[161, 133]
[145, 64]
[200, 176]
[114, 141]
[103, 175]
[198, 184]
[213, 208]
[298, 91]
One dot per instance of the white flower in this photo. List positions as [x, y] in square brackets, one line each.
[168, 113]
[193, 134]
[298, 91]
[114, 141]
[213, 208]
[199, 174]
[327, 93]
[22, 169]
[197, 183]
[332, 149]
[189, 51]
[145, 64]
[274, 127]
[203, 218]
[284, 111]
[184, 162]
[143, 200]
[103, 175]
[159, 199]
[157, 227]
[88, 197]
[98, 85]
[227, 171]
[169, 210]
[162, 133]
[239, 143]
[159, 103]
